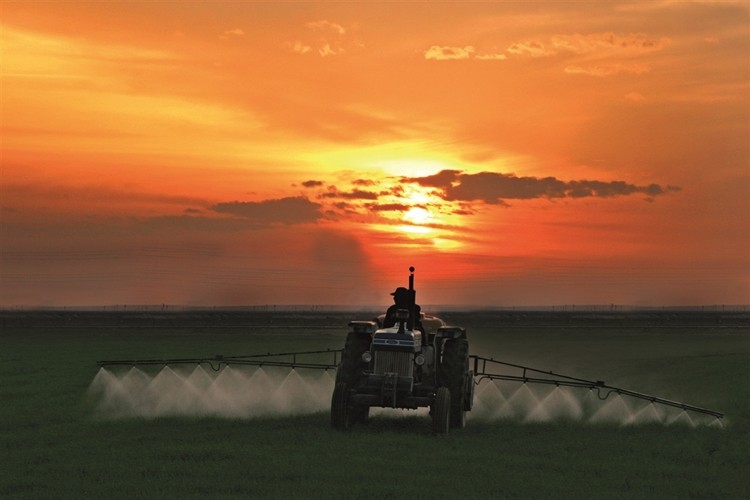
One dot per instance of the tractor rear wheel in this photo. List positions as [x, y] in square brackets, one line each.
[441, 411]
[453, 373]
[340, 407]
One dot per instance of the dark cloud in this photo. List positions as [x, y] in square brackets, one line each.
[312, 183]
[355, 194]
[364, 182]
[442, 180]
[389, 207]
[292, 210]
[463, 209]
[493, 187]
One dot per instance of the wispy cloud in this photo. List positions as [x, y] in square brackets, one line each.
[600, 54]
[607, 69]
[593, 43]
[298, 47]
[448, 53]
[444, 53]
[597, 46]
[531, 48]
[490, 56]
[325, 39]
[30, 54]
[235, 32]
[633, 43]
[327, 27]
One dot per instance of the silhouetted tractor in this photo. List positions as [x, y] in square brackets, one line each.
[405, 366]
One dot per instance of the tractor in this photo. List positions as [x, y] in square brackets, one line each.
[418, 362]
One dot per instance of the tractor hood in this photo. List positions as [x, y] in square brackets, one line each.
[397, 340]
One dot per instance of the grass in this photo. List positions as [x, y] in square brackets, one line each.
[53, 446]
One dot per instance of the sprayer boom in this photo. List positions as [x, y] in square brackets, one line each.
[291, 360]
[487, 369]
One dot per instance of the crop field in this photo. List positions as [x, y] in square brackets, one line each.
[57, 443]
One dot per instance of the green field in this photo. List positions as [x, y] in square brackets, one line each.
[55, 446]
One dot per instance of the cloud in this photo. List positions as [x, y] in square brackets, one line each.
[236, 32]
[326, 49]
[443, 179]
[633, 43]
[298, 47]
[438, 53]
[312, 183]
[327, 26]
[607, 69]
[364, 182]
[326, 39]
[447, 53]
[490, 56]
[594, 43]
[493, 188]
[613, 53]
[355, 194]
[291, 210]
[531, 48]
[389, 207]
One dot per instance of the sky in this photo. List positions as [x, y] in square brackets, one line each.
[256, 153]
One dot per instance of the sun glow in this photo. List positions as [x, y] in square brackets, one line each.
[414, 229]
[418, 215]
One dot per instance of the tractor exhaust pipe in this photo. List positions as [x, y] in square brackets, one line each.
[412, 300]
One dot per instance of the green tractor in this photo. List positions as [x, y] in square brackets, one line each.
[407, 361]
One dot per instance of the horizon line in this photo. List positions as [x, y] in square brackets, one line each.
[371, 307]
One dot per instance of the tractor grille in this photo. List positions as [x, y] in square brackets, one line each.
[393, 362]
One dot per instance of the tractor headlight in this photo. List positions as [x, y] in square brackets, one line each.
[419, 359]
[366, 356]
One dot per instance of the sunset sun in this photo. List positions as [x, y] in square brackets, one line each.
[418, 215]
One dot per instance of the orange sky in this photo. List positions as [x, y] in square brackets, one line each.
[308, 153]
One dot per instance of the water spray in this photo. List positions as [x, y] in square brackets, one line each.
[233, 387]
[301, 382]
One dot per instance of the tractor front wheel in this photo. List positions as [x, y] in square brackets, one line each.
[454, 374]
